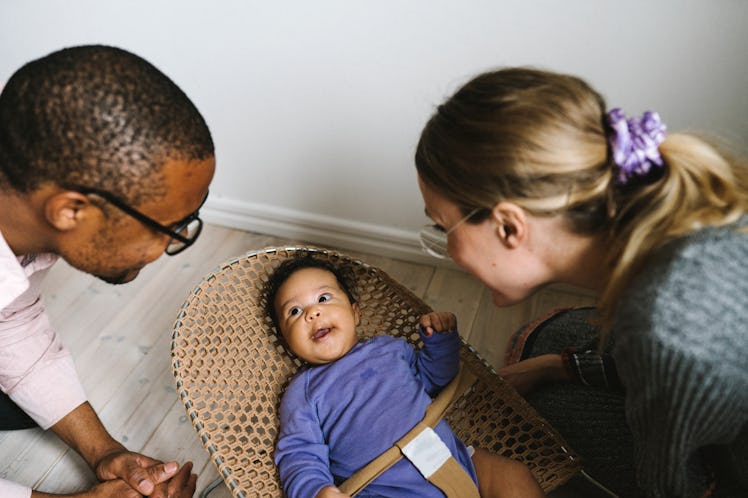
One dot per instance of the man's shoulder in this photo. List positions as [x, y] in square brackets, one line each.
[15, 276]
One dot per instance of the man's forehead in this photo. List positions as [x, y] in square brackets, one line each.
[185, 186]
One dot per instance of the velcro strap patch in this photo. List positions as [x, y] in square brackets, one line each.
[427, 452]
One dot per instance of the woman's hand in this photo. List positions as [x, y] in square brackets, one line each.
[438, 321]
[532, 373]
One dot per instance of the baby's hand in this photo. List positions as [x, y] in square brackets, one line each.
[331, 492]
[438, 321]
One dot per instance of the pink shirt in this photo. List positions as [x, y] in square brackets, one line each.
[36, 371]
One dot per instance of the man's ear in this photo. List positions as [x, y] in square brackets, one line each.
[65, 210]
[356, 314]
[511, 223]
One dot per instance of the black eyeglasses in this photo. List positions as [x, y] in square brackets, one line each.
[183, 233]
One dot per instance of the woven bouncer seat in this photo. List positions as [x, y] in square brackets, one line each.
[230, 371]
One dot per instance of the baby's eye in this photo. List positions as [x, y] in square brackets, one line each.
[294, 311]
[324, 297]
[438, 228]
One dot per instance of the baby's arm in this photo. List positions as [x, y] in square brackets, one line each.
[301, 454]
[437, 363]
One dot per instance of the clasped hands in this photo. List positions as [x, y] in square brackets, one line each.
[125, 474]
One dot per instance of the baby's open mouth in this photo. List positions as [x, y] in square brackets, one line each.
[320, 334]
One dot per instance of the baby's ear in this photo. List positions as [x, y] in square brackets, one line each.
[356, 313]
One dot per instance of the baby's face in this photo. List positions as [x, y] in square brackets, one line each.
[315, 316]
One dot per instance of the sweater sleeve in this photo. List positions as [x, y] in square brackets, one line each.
[437, 363]
[680, 351]
[301, 454]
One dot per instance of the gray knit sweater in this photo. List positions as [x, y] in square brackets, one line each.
[681, 335]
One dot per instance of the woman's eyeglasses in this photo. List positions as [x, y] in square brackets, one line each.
[434, 238]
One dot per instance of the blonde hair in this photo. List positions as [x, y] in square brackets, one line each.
[539, 139]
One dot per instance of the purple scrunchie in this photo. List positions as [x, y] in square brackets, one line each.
[634, 143]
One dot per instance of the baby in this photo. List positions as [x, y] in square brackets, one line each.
[357, 397]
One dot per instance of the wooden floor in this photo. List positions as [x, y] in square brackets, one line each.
[119, 336]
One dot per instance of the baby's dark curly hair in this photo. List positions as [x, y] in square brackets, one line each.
[96, 116]
[303, 259]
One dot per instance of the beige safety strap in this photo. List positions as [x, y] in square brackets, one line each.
[453, 481]
[447, 472]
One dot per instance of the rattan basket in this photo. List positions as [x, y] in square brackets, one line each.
[230, 372]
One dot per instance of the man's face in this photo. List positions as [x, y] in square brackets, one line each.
[116, 247]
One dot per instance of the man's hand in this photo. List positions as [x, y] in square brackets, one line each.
[438, 321]
[529, 374]
[146, 475]
[109, 489]
[82, 430]
[182, 485]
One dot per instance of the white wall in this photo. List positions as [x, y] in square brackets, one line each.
[316, 106]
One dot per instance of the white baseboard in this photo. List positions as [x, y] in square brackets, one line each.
[317, 229]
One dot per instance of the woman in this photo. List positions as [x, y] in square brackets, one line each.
[534, 183]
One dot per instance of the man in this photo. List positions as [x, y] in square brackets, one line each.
[105, 163]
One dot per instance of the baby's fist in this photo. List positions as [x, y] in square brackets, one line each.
[438, 321]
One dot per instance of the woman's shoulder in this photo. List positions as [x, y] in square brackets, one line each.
[711, 259]
[693, 291]
[710, 244]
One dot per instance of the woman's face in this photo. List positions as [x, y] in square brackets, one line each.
[478, 248]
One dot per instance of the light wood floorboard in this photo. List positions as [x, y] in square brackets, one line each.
[119, 336]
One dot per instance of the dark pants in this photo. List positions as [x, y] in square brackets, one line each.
[11, 417]
[592, 420]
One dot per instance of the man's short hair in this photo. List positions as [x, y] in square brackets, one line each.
[96, 116]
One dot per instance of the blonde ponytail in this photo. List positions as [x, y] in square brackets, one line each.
[700, 187]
